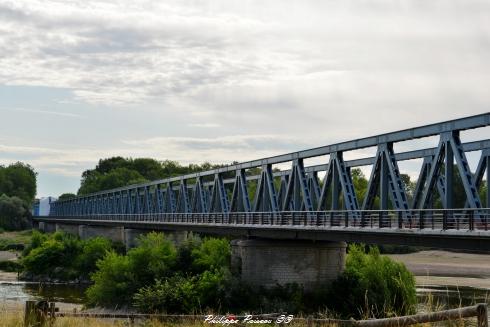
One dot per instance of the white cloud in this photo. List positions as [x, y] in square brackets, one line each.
[290, 75]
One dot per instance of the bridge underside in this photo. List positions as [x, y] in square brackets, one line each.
[461, 239]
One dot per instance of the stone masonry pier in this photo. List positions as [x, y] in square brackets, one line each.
[270, 262]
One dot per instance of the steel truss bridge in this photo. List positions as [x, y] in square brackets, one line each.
[296, 203]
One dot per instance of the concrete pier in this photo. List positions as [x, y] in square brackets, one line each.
[67, 228]
[47, 227]
[271, 262]
[113, 233]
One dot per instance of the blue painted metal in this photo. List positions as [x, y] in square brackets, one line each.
[299, 189]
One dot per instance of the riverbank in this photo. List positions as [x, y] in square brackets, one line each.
[448, 268]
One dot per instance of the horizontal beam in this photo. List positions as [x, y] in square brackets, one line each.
[431, 238]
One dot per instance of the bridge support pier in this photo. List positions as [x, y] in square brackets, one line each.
[271, 262]
[46, 227]
[115, 234]
[131, 236]
[67, 228]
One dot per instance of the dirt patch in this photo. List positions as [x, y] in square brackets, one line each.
[8, 255]
[446, 264]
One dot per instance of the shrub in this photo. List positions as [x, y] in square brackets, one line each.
[37, 239]
[372, 285]
[176, 294]
[43, 259]
[190, 294]
[183, 261]
[64, 256]
[213, 253]
[154, 258]
[113, 282]
[92, 251]
[119, 277]
[10, 266]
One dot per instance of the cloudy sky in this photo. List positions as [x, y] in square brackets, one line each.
[221, 80]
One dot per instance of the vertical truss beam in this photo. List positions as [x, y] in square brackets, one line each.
[450, 148]
[265, 194]
[297, 188]
[199, 202]
[385, 177]
[219, 198]
[170, 205]
[183, 203]
[240, 201]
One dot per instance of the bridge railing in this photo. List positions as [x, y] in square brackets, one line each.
[427, 219]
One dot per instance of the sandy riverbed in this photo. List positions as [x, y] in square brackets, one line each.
[448, 268]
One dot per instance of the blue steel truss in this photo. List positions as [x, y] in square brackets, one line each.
[232, 189]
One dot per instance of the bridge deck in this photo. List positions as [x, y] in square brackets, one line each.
[453, 229]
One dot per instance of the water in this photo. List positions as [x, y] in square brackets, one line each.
[446, 296]
[450, 296]
[21, 292]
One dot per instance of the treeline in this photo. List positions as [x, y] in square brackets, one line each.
[195, 277]
[118, 171]
[17, 192]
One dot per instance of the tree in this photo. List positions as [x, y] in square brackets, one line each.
[18, 180]
[14, 213]
[118, 171]
[67, 196]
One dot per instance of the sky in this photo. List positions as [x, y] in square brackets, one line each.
[223, 81]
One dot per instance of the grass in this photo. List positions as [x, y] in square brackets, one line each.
[14, 317]
[9, 239]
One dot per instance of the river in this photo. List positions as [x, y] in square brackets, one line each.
[443, 279]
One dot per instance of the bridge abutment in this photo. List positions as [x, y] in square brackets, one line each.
[270, 262]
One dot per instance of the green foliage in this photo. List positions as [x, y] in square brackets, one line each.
[64, 256]
[372, 285]
[115, 178]
[117, 171]
[41, 260]
[179, 294]
[10, 266]
[66, 196]
[119, 276]
[184, 260]
[92, 250]
[18, 180]
[14, 213]
[213, 253]
[195, 278]
[176, 294]
[37, 239]
[113, 282]
[154, 258]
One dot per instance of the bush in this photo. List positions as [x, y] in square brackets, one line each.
[179, 294]
[119, 277]
[113, 282]
[213, 253]
[372, 285]
[64, 256]
[92, 251]
[10, 266]
[154, 258]
[37, 239]
[176, 294]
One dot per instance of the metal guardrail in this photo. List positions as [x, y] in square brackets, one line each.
[426, 219]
